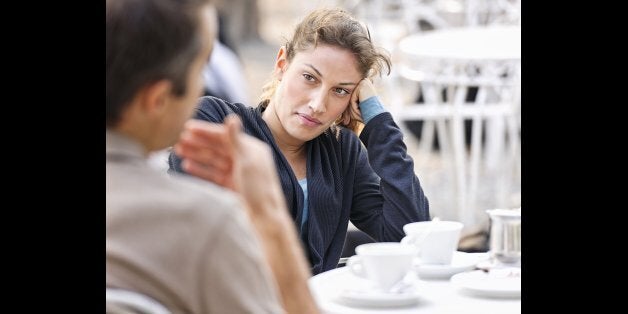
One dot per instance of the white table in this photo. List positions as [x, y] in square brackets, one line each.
[467, 43]
[452, 61]
[435, 296]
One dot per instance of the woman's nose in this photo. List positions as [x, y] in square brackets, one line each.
[317, 101]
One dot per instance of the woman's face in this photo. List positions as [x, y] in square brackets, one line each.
[314, 90]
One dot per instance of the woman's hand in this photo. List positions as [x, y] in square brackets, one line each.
[364, 90]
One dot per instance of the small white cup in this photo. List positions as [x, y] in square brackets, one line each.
[384, 263]
[437, 243]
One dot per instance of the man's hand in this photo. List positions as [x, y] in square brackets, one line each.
[223, 154]
[208, 152]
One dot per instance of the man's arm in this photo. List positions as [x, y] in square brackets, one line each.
[245, 165]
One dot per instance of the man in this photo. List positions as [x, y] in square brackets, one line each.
[190, 245]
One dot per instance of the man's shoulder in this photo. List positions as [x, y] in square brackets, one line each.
[192, 192]
[174, 194]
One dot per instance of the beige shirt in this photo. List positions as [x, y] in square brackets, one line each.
[181, 241]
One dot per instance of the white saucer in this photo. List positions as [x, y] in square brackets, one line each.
[491, 263]
[369, 297]
[482, 284]
[460, 262]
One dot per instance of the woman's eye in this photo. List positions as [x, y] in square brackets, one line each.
[341, 91]
[308, 77]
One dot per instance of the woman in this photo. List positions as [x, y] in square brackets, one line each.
[319, 96]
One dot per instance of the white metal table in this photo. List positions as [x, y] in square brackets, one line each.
[446, 64]
[435, 296]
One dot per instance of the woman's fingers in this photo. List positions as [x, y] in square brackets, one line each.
[356, 114]
[354, 96]
[366, 89]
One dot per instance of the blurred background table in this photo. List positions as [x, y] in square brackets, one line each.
[469, 81]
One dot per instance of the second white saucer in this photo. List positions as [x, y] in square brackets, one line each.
[499, 285]
[460, 262]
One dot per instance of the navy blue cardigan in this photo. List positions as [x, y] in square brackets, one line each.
[376, 189]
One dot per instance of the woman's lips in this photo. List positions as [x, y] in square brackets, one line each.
[308, 120]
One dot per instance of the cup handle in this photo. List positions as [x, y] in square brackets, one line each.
[355, 266]
[408, 240]
[411, 240]
[416, 264]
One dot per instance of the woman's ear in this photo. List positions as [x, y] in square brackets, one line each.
[281, 62]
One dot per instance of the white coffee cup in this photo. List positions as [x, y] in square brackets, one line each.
[436, 241]
[384, 263]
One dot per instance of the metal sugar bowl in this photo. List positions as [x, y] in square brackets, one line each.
[505, 236]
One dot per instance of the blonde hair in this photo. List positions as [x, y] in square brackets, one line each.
[334, 27]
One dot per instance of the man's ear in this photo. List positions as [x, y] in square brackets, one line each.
[155, 97]
[281, 63]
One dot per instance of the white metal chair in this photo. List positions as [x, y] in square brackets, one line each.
[121, 301]
[412, 15]
[492, 12]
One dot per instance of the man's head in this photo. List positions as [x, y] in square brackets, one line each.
[156, 50]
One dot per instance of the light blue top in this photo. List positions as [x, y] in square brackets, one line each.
[303, 184]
